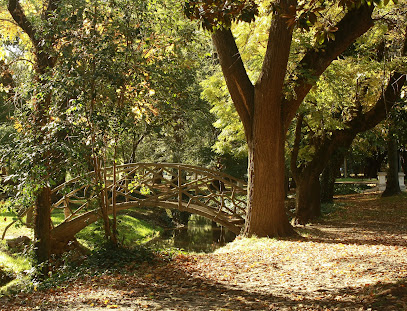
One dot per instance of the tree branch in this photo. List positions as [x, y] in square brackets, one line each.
[278, 48]
[386, 101]
[20, 18]
[355, 23]
[240, 87]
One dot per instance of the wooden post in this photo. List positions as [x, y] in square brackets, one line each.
[67, 210]
[179, 188]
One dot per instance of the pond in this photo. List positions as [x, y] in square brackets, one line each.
[200, 235]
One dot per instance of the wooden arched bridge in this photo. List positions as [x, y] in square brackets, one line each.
[198, 190]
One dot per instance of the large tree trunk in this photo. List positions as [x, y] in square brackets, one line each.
[392, 184]
[266, 138]
[308, 201]
[266, 193]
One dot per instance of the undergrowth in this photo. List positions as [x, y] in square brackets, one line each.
[105, 259]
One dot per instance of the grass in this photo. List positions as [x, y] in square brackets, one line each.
[15, 230]
[132, 231]
[17, 266]
[15, 263]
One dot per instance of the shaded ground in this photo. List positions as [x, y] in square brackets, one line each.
[355, 259]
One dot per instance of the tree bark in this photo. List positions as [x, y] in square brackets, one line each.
[329, 175]
[308, 197]
[308, 201]
[343, 138]
[392, 184]
[328, 184]
[42, 229]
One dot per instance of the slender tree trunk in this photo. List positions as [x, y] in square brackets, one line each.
[44, 61]
[392, 184]
[114, 210]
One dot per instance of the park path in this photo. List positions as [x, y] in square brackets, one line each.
[354, 259]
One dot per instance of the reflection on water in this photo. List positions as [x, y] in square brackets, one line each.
[201, 235]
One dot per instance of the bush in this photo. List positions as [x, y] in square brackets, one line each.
[343, 189]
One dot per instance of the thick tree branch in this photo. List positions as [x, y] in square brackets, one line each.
[278, 48]
[20, 18]
[240, 87]
[354, 24]
[364, 122]
[44, 58]
[385, 103]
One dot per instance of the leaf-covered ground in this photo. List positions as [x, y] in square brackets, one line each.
[354, 259]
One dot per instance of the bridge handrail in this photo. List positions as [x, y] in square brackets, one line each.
[216, 174]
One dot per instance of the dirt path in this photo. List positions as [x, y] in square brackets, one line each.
[356, 259]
